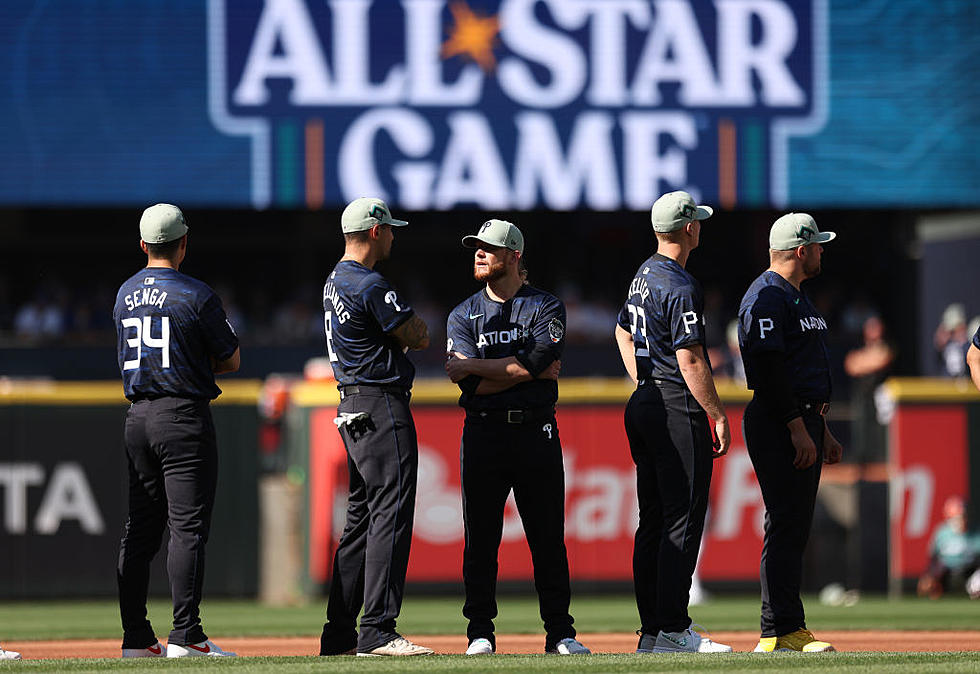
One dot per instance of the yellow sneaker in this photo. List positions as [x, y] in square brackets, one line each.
[800, 640]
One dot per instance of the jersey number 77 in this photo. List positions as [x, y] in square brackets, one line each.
[638, 327]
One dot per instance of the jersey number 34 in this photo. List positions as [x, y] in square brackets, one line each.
[144, 337]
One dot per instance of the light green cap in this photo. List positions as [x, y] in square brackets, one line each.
[162, 223]
[497, 233]
[674, 210]
[364, 213]
[796, 229]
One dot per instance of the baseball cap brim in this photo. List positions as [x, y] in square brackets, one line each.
[824, 237]
[395, 223]
[471, 241]
[704, 212]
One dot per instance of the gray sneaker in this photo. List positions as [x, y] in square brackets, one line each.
[687, 641]
[568, 646]
[398, 646]
[646, 643]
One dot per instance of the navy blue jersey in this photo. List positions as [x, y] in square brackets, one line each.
[976, 338]
[664, 312]
[775, 316]
[360, 308]
[529, 326]
[169, 327]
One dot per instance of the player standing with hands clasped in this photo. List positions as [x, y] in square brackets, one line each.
[369, 327]
[503, 350]
[660, 334]
[781, 335]
[173, 337]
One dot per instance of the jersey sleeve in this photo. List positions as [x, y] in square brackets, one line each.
[387, 306]
[219, 336]
[459, 337]
[685, 317]
[547, 339]
[459, 334]
[976, 338]
[623, 319]
[764, 322]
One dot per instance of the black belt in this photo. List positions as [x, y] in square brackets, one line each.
[511, 416]
[351, 389]
[157, 396]
[815, 407]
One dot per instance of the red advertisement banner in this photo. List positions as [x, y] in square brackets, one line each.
[928, 452]
[600, 501]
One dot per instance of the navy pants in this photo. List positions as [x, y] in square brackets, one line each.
[670, 441]
[372, 558]
[790, 496]
[496, 457]
[173, 472]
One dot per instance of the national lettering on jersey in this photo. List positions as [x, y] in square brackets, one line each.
[515, 104]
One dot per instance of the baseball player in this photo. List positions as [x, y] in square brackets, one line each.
[173, 337]
[9, 655]
[973, 359]
[781, 335]
[369, 327]
[503, 347]
[660, 334]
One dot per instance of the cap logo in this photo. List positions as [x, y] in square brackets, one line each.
[805, 233]
[688, 211]
[377, 212]
[485, 227]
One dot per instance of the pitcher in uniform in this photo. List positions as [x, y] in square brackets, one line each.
[782, 340]
[504, 345]
[369, 326]
[660, 334]
[173, 337]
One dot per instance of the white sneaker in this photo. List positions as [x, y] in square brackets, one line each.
[687, 641]
[9, 655]
[203, 649]
[569, 646]
[398, 646]
[154, 651]
[480, 647]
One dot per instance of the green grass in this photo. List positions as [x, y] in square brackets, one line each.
[455, 664]
[441, 615]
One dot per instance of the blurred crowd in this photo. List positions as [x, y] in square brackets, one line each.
[61, 313]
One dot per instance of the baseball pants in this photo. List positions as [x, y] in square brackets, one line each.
[496, 457]
[173, 471]
[372, 557]
[790, 496]
[670, 440]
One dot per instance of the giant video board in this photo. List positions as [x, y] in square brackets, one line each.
[497, 104]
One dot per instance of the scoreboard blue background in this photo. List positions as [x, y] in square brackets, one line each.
[112, 103]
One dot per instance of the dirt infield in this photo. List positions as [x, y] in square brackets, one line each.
[882, 641]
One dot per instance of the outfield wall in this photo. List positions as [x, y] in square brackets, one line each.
[63, 488]
[63, 491]
[872, 519]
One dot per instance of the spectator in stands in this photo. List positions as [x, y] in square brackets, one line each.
[868, 365]
[954, 555]
[952, 341]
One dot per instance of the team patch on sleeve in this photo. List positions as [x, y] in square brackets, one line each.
[556, 330]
